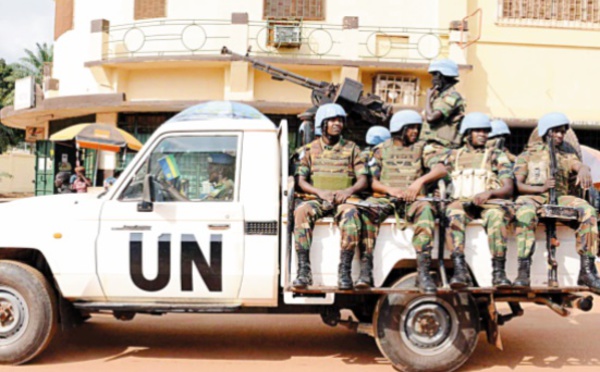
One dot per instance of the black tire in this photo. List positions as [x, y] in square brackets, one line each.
[452, 338]
[31, 318]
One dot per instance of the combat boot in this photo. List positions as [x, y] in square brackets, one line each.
[365, 280]
[424, 280]
[587, 273]
[499, 279]
[304, 276]
[522, 280]
[345, 270]
[461, 277]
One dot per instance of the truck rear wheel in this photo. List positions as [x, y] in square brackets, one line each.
[28, 313]
[426, 333]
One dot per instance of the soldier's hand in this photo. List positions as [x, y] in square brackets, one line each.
[342, 195]
[397, 193]
[431, 93]
[411, 193]
[549, 184]
[327, 196]
[584, 177]
[481, 198]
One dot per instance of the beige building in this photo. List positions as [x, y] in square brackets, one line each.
[135, 63]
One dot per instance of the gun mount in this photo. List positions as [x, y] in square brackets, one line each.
[369, 108]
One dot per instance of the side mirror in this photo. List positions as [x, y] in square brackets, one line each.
[147, 195]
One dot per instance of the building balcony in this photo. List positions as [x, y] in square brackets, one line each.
[288, 40]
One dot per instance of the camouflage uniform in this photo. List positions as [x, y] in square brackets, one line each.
[221, 191]
[496, 218]
[341, 158]
[444, 135]
[492, 143]
[533, 164]
[415, 162]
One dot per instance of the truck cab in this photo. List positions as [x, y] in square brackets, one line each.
[200, 221]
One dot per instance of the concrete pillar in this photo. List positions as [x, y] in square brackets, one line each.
[98, 51]
[456, 39]
[350, 39]
[110, 118]
[239, 79]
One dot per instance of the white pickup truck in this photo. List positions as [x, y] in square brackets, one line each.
[154, 243]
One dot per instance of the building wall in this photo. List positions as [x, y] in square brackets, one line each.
[17, 172]
[73, 48]
[191, 84]
[525, 72]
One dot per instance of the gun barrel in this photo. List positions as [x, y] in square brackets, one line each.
[277, 73]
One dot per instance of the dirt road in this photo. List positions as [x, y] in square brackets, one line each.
[541, 340]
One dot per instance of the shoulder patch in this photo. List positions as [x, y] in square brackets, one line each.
[451, 99]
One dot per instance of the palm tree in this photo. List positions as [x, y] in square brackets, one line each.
[33, 63]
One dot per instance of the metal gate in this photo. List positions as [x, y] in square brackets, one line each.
[44, 168]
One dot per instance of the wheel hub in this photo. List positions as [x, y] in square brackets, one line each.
[13, 315]
[427, 325]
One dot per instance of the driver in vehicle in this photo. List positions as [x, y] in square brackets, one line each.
[220, 177]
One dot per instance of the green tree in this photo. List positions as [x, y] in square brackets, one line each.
[33, 63]
[8, 136]
[30, 65]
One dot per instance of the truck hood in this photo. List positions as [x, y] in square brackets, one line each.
[46, 208]
[32, 222]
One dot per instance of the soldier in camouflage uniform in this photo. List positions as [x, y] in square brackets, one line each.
[220, 174]
[480, 177]
[400, 170]
[375, 135]
[532, 173]
[444, 108]
[331, 169]
[497, 138]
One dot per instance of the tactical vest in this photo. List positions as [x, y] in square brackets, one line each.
[331, 169]
[401, 165]
[538, 170]
[445, 132]
[468, 181]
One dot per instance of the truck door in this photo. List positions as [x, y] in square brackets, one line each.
[190, 244]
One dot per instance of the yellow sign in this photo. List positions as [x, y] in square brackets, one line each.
[33, 134]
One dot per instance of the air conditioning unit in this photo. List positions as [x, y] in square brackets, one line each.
[287, 36]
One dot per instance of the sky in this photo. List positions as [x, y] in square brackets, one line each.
[22, 24]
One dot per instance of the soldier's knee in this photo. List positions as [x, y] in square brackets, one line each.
[526, 215]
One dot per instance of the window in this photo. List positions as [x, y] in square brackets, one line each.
[563, 13]
[189, 169]
[63, 17]
[397, 89]
[144, 9]
[313, 10]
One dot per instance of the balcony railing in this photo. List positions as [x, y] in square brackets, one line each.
[281, 38]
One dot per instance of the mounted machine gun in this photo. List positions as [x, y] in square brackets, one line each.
[370, 108]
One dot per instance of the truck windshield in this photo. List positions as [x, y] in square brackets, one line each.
[194, 168]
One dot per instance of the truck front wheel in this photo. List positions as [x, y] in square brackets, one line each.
[28, 313]
[426, 333]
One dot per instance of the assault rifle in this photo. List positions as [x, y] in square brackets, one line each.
[551, 212]
[368, 108]
[551, 239]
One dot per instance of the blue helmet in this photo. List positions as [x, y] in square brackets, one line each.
[403, 118]
[551, 120]
[221, 158]
[377, 134]
[499, 128]
[475, 120]
[446, 67]
[327, 111]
